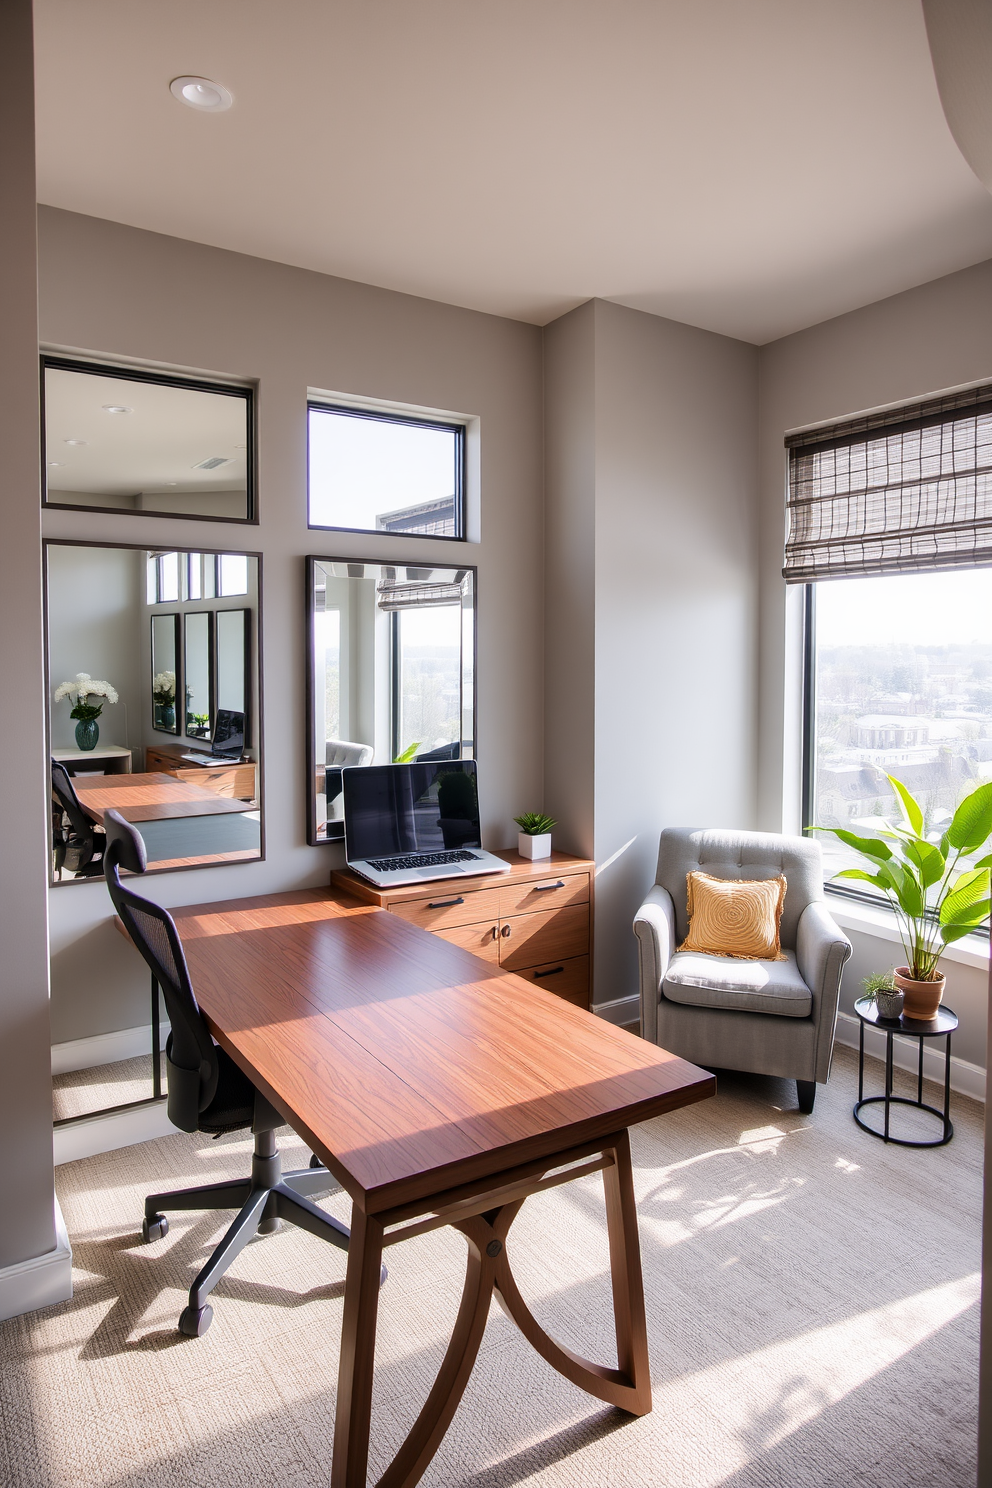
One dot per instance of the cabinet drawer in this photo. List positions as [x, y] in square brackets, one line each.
[533, 939]
[543, 894]
[449, 906]
[568, 979]
[482, 940]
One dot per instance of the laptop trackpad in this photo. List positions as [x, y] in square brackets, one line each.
[432, 872]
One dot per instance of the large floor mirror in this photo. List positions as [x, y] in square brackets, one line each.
[153, 689]
[391, 672]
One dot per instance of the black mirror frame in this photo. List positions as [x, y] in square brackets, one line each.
[161, 379]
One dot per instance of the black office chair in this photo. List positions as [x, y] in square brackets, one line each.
[77, 844]
[209, 1093]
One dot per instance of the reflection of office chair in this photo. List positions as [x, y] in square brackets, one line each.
[338, 754]
[209, 1093]
[77, 843]
[443, 752]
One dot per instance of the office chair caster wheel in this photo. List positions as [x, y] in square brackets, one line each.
[315, 1161]
[155, 1228]
[194, 1321]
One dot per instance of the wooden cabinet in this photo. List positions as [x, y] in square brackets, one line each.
[237, 782]
[534, 921]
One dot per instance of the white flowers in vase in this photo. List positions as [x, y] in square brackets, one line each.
[82, 689]
[164, 687]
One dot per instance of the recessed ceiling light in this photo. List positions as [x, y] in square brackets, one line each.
[171, 483]
[74, 441]
[116, 408]
[56, 464]
[200, 93]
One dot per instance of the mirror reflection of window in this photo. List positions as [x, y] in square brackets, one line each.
[232, 654]
[197, 674]
[375, 472]
[391, 672]
[428, 662]
[135, 442]
[232, 574]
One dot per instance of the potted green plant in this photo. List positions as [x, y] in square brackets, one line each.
[534, 837]
[880, 988]
[85, 712]
[933, 907]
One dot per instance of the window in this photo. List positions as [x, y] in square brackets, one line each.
[428, 677]
[371, 472]
[901, 684]
[891, 529]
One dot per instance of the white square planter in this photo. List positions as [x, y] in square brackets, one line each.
[534, 847]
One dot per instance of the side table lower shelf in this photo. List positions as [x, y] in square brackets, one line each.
[940, 1027]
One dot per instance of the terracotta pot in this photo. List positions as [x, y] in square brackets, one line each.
[921, 999]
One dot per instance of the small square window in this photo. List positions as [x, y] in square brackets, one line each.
[372, 472]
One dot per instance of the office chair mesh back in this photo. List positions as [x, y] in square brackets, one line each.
[193, 1060]
[80, 848]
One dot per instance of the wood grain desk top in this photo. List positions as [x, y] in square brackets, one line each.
[150, 797]
[408, 1064]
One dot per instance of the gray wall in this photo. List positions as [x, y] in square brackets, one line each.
[651, 555]
[290, 330]
[26, 1174]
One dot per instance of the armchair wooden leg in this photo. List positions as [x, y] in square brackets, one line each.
[806, 1091]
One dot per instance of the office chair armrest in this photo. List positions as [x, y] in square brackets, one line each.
[654, 926]
[822, 949]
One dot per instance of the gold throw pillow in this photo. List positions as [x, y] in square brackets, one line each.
[737, 917]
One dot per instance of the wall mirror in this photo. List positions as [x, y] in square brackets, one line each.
[391, 672]
[132, 441]
[161, 647]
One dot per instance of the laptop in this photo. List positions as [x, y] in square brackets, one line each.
[227, 743]
[406, 824]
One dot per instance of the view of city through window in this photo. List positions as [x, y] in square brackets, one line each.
[428, 645]
[377, 474]
[903, 687]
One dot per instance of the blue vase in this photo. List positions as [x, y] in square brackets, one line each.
[87, 733]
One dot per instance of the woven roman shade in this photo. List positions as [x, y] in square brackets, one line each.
[893, 492]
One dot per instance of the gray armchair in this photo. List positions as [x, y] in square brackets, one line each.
[769, 1017]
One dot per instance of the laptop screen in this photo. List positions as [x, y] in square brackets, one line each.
[229, 734]
[427, 806]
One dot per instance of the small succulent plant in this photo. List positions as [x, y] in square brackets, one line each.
[534, 823]
[876, 982]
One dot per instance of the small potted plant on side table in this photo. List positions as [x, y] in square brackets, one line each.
[534, 837]
[880, 988]
[932, 907]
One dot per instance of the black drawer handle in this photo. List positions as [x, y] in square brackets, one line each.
[552, 971]
[546, 888]
[505, 932]
[445, 903]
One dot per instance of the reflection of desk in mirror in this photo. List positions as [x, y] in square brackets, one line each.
[111, 759]
[236, 781]
[182, 825]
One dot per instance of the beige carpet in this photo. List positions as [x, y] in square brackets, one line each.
[812, 1309]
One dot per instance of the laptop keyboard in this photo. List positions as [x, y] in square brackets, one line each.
[421, 860]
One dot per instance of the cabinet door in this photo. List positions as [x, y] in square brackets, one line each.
[450, 905]
[482, 940]
[567, 979]
[537, 896]
[534, 939]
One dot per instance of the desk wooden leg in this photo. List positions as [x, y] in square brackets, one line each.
[349, 1464]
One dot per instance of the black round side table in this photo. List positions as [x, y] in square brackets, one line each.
[940, 1027]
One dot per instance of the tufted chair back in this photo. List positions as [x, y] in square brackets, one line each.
[754, 855]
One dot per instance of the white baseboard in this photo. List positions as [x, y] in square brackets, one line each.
[104, 1048]
[621, 1010]
[91, 1135]
[40, 1281]
[966, 1078]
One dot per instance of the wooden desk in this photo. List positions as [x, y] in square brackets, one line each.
[440, 1090]
[142, 798]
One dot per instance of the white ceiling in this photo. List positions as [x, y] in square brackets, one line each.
[747, 167]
